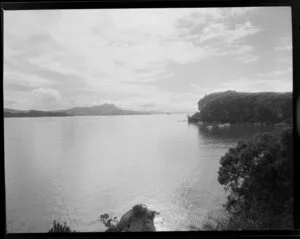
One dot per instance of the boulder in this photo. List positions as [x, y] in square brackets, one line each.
[137, 219]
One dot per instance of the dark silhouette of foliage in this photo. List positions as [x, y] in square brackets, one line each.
[139, 210]
[240, 107]
[258, 174]
[57, 227]
[109, 222]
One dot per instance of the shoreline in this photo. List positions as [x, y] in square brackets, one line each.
[228, 124]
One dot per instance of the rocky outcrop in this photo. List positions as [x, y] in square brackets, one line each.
[137, 219]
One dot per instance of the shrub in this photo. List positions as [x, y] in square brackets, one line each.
[109, 222]
[258, 174]
[57, 227]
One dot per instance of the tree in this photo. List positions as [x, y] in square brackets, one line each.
[109, 222]
[258, 174]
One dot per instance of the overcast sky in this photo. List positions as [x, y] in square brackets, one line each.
[150, 59]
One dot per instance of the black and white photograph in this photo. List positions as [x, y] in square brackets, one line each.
[148, 119]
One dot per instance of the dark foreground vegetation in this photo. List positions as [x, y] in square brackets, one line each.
[241, 107]
[258, 175]
[57, 227]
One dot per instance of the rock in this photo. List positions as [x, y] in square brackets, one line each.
[139, 218]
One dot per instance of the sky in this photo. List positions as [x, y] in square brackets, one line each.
[143, 59]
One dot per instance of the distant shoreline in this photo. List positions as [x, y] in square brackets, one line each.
[100, 110]
[223, 125]
[60, 116]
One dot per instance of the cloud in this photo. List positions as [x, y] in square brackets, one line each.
[46, 93]
[276, 72]
[147, 105]
[17, 87]
[244, 53]
[257, 85]
[223, 32]
[285, 44]
[218, 38]
[9, 103]
[46, 97]
[85, 57]
[194, 86]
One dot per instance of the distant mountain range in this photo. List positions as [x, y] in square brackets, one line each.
[105, 109]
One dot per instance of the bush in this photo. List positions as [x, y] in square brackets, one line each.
[57, 227]
[109, 222]
[258, 174]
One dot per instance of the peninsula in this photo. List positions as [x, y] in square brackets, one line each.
[243, 107]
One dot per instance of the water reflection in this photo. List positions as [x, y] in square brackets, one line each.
[195, 198]
[230, 134]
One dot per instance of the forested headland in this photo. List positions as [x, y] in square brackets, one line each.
[241, 107]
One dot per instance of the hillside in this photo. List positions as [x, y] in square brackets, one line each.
[241, 107]
[105, 109]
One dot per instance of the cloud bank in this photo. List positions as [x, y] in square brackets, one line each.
[65, 58]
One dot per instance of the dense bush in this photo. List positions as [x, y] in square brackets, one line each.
[258, 174]
[239, 107]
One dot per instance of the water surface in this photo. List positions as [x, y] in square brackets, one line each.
[75, 168]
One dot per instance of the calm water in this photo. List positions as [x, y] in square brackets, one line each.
[75, 168]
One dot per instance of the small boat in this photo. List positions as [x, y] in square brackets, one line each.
[209, 127]
[227, 125]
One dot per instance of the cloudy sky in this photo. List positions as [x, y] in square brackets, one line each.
[150, 59]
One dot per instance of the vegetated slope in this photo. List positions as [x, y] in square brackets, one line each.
[239, 107]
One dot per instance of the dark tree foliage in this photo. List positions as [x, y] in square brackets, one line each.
[239, 107]
[57, 227]
[109, 222]
[258, 174]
